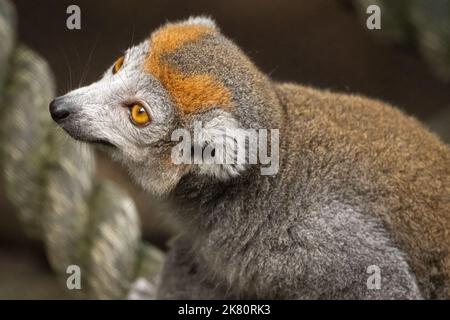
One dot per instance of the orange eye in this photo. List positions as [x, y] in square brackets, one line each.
[118, 64]
[139, 115]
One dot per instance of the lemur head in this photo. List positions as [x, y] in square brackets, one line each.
[184, 73]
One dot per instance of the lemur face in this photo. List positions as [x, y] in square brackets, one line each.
[127, 110]
[169, 81]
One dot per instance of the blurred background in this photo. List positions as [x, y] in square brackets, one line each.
[321, 43]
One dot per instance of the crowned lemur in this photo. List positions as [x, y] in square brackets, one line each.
[360, 186]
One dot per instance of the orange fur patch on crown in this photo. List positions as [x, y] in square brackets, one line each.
[191, 93]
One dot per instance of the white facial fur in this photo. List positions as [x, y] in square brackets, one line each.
[99, 112]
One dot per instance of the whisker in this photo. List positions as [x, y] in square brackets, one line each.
[78, 57]
[86, 66]
[69, 69]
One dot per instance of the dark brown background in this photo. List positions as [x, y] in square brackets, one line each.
[320, 43]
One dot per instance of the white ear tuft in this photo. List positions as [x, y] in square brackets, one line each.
[220, 134]
[202, 20]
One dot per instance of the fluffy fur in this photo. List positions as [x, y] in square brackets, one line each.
[359, 183]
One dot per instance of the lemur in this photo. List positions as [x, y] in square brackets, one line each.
[360, 183]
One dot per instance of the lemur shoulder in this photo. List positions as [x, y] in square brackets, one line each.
[359, 182]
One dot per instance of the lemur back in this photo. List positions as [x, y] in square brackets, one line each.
[370, 155]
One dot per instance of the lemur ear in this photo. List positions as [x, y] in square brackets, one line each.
[202, 20]
[215, 146]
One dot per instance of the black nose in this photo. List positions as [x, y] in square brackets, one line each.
[58, 110]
